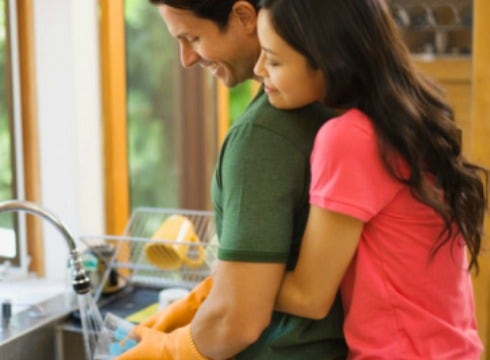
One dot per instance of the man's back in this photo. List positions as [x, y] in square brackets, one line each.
[260, 194]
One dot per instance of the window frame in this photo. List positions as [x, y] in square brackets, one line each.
[113, 70]
[24, 125]
[30, 137]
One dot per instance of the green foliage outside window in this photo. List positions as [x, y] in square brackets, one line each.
[5, 136]
[152, 57]
[240, 97]
[150, 62]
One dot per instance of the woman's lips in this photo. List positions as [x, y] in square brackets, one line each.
[268, 89]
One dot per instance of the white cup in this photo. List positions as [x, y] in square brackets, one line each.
[168, 296]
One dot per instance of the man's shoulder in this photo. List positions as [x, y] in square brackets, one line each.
[261, 111]
[298, 125]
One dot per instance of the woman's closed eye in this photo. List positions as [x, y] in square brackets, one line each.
[270, 61]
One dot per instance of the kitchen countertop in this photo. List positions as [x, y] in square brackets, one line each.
[52, 325]
[36, 316]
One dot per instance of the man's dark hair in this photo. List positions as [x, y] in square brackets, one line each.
[217, 11]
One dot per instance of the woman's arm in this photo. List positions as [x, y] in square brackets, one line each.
[329, 243]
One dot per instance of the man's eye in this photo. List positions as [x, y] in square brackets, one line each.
[192, 39]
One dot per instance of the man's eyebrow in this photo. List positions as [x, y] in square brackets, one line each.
[182, 35]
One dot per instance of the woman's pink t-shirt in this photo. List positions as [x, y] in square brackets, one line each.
[399, 302]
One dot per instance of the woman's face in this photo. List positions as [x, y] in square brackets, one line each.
[289, 80]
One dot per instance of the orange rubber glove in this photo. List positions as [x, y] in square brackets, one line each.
[180, 312]
[156, 345]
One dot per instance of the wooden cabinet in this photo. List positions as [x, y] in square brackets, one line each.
[454, 74]
[435, 27]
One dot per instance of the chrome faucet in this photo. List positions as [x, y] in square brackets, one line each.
[80, 280]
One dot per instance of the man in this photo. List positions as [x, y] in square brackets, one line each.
[260, 194]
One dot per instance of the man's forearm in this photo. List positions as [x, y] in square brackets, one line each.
[238, 308]
[218, 338]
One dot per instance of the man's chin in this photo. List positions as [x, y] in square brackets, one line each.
[227, 78]
[225, 81]
[231, 81]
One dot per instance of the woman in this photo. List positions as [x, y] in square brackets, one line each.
[394, 205]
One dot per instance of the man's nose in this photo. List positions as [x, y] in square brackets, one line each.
[188, 56]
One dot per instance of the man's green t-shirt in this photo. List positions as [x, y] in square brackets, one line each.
[260, 194]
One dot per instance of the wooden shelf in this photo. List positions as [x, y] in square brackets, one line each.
[457, 68]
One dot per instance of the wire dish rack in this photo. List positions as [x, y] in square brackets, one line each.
[128, 257]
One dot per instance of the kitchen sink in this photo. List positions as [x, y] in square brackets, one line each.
[128, 300]
[51, 329]
[123, 303]
[30, 333]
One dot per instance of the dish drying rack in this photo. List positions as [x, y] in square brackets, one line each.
[130, 262]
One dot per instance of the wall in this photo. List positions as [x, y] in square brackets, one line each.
[69, 119]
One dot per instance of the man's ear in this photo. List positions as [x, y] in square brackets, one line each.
[246, 14]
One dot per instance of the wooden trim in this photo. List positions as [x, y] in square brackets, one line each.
[25, 21]
[254, 87]
[223, 105]
[113, 70]
[454, 76]
[195, 137]
[480, 152]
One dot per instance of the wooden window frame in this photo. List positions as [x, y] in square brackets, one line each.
[113, 68]
[30, 144]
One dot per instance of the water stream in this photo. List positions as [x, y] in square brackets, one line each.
[92, 323]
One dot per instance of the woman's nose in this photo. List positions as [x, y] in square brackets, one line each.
[188, 56]
[259, 66]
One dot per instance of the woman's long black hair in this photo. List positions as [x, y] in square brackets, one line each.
[367, 65]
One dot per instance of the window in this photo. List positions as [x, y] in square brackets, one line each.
[9, 244]
[170, 117]
[151, 61]
[163, 155]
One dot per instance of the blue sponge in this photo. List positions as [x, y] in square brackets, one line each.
[120, 334]
[129, 344]
[122, 343]
[115, 348]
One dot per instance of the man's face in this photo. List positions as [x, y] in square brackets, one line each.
[229, 54]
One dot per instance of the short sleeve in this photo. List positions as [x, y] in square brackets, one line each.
[348, 174]
[264, 178]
